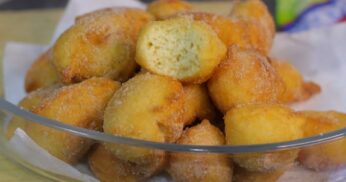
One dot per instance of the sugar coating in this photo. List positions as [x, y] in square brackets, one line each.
[107, 167]
[29, 103]
[163, 9]
[197, 104]
[80, 105]
[41, 73]
[234, 30]
[100, 44]
[262, 124]
[255, 12]
[147, 107]
[296, 88]
[200, 167]
[266, 162]
[323, 157]
[244, 77]
[243, 175]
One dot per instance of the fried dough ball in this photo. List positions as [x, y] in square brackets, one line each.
[296, 88]
[256, 12]
[163, 9]
[234, 31]
[147, 107]
[184, 49]
[81, 105]
[100, 44]
[30, 102]
[263, 124]
[200, 167]
[329, 156]
[41, 73]
[244, 77]
[198, 104]
[109, 168]
[243, 175]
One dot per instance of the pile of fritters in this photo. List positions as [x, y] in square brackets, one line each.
[175, 74]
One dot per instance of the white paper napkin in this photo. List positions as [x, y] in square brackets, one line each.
[320, 54]
[17, 59]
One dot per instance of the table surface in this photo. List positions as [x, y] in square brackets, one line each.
[27, 26]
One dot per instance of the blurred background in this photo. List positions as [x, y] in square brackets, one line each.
[290, 15]
[34, 21]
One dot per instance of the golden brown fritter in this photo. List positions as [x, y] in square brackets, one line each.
[244, 77]
[243, 175]
[296, 88]
[234, 31]
[255, 12]
[198, 104]
[180, 48]
[147, 107]
[329, 156]
[41, 73]
[263, 124]
[30, 102]
[108, 168]
[163, 9]
[81, 105]
[100, 44]
[193, 167]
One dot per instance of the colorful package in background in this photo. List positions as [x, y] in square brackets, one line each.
[298, 15]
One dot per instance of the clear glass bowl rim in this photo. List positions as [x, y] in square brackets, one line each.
[226, 149]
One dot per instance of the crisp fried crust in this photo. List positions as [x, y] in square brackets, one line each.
[163, 9]
[256, 13]
[80, 105]
[296, 88]
[263, 124]
[328, 156]
[243, 175]
[147, 107]
[99, 44]
[41, 73]
[234, 31]
[195, 167]
[198, 104]
[30, 102]
[244, 77]
[109, 168]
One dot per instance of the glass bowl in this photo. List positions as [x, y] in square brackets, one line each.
[295, 171]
